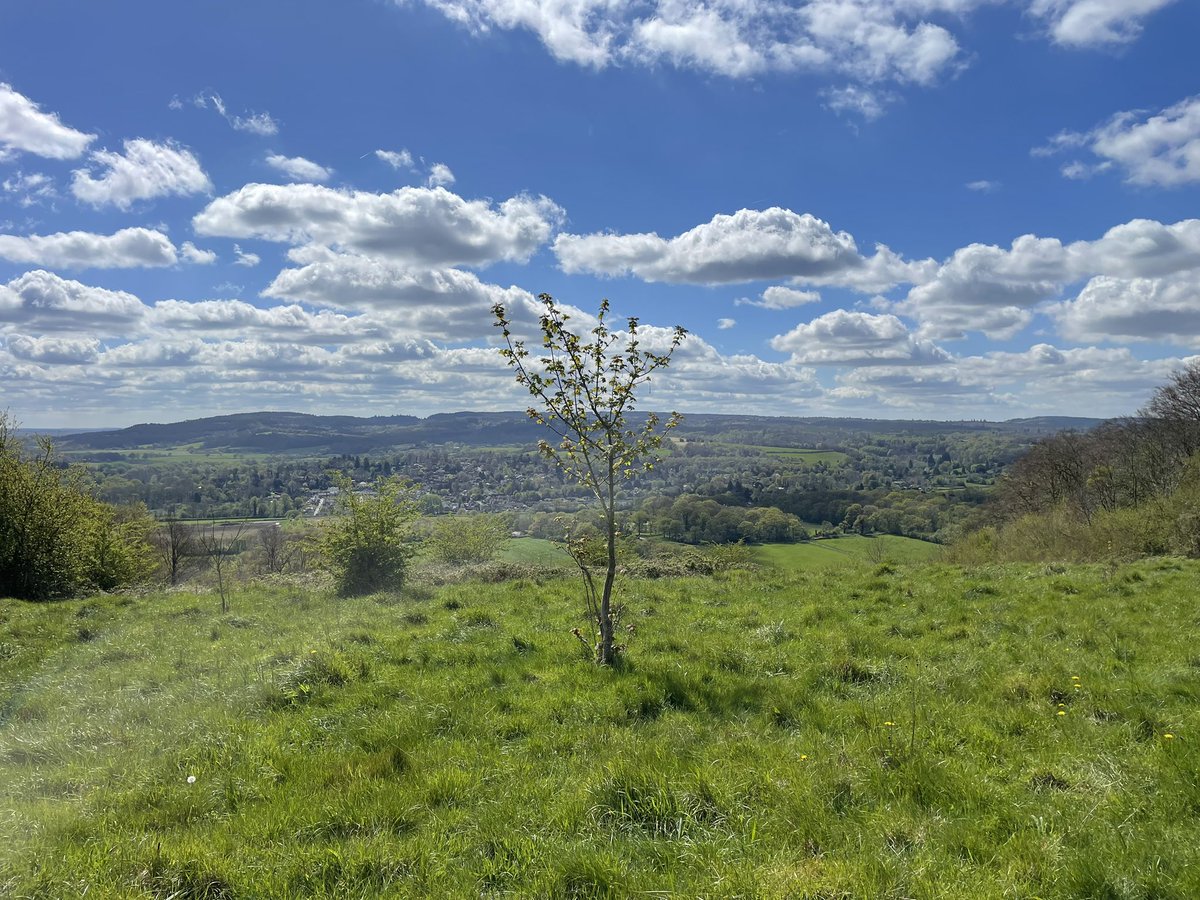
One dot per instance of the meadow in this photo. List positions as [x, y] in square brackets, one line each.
[871, 731]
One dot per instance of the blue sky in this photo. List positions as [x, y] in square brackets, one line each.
[904, 208]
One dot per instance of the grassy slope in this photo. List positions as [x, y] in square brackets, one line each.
[848, 550]
[850, 733]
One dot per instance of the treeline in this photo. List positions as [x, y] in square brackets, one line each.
[1130, 487]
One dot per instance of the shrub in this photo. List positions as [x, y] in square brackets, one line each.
[56, 540]
[467, 539]
[369, 546]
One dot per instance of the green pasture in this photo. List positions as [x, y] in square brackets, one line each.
[876, 731]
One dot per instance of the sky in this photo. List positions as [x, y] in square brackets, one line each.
[923, 209]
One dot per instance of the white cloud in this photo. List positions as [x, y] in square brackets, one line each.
[145, 171]
[34, 189]
[726, 324]
[989, 289]
[298, 168]
[1105, 382]
[844, 338]
[870, 103]
[262, 124]
[777, 297]
[127, 248]
[1092, 23]
[289, 324]
[41, 301]
[194, 254]
[1161, 149]
[747, 246]
[425, 227]
[54, 350]
[440, 176]
[24, 128]
[867, 40]
[1134, 309]
[397, 159]
[443, 304]
[983, 186]
[245, 257]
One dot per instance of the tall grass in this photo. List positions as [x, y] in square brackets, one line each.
[885, 731]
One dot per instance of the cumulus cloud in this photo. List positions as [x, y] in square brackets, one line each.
[194, 254]
[445, 304]
[1043, 378]
[40, 302]
[989, 289]
[845, 338]
[778, 297]
[127, 248]
[440, 176]
[1162, 149]
[54, 350]
[298, 168]
[397, 159]
[746, 246]
[25, 128]
[864, 39]
[726, 324]
[1092, 23]
[245, 257]
[290, 324]
[425, 227]
[145, 170]
[1134, 309]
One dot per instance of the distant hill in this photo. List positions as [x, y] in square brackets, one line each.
[290, 432]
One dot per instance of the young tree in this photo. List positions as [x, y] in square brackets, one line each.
[222, 544]
[368, 546]
[587, 388]
[176, 544]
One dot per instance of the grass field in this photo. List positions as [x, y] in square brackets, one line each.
[535, 551]
[883, 731]
[847, 550]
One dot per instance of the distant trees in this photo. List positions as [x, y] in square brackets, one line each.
[369, 546]
[56, 540]
[1129, 486]
[586, 386]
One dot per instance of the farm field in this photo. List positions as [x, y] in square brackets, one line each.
[887, 730]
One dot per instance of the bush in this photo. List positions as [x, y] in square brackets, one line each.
[467, 539]
[368, 547]
[56, 540]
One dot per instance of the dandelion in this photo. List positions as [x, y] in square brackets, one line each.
[1062, 712]
[1062, 706]
[1075, 678]
[191, 779]
[803, 756]
[1168, 736]
[889, 724]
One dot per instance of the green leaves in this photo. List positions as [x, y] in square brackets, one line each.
[368, 547]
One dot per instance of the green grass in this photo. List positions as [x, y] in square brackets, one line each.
[847, 550]
[883, 731]
[535, 551]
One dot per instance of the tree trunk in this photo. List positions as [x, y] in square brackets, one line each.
[605, 651]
